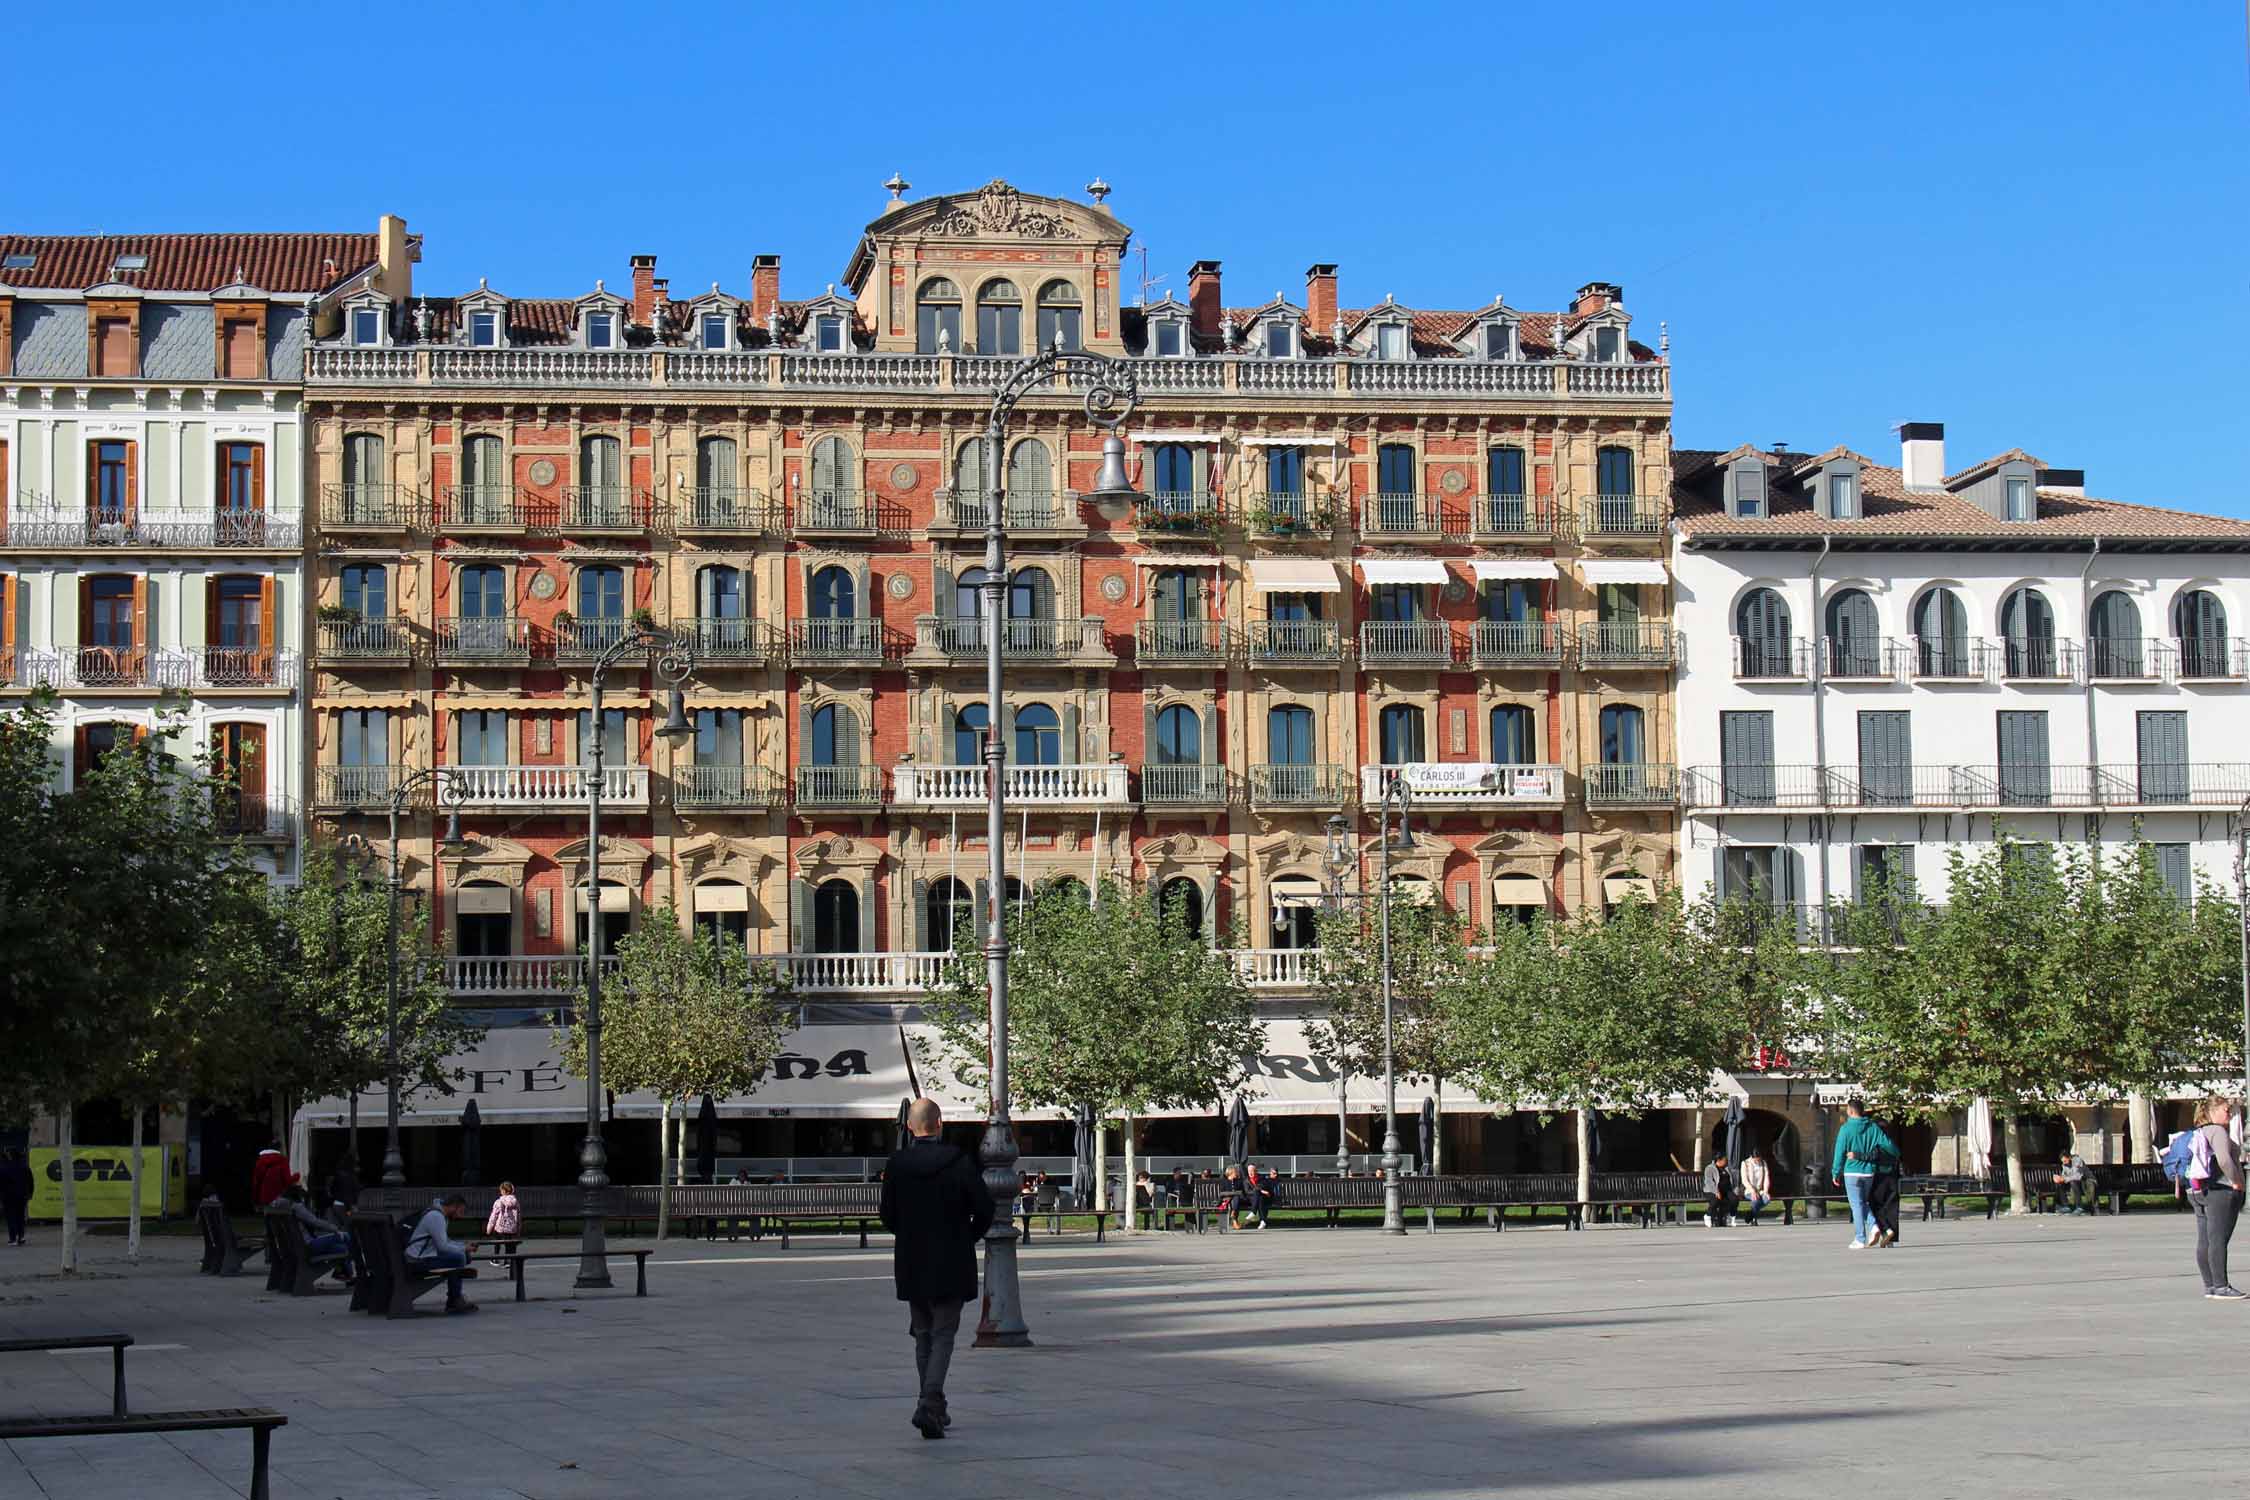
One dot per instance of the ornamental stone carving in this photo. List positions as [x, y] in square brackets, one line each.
[543, 471]
[999, 210]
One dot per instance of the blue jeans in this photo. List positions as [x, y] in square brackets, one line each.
[452, 1258]
[335, 1247]
[1856, 1186]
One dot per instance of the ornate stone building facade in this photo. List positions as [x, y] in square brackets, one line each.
[1375, 534]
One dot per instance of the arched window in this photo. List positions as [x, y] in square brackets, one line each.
[947, 910]
[833, 594]
[999, 318]
[968, 596]
[834, 492]
[2114, 636]
[721, 912]
[1182, 903]
[835, 736]
[2199, 619]
[968, 475]
[970, 723]
[1402, 735]
[937, 317]
[1855, 640]
[1289, 735]
[1038, 736]
[1761, 629]
[1179, 737]
[1058, 316]
[1175, 478]
[1512, 741]
[616, 919]
[366, 497]
[1621, 735]
[365, 590]
[1031, 595]
[1941, 628]
[1031, 475]
[835, 917]
[486, 495]
[481, 911]
[2027, 623]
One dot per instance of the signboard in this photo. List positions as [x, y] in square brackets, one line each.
[1539, 784]
[1448, 776]
[105, 1181]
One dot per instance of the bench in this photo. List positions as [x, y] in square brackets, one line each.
[1935, 1189]
[223, 1252]
[291, 1266]
[258, 1419]
[389, 1284]
[781, 1204]
[2114, 1183]
[512, 1261]
[115, 1343]
[1047, 1204]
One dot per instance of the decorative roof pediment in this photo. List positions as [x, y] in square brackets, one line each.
[600, 299]
[1180, 849]
[113, 291]
[615, 851]
[240, 291]
[1389, 310]
[712, 301]
[1166, 306]
[1280, 309]
[996, 212]
[1519, 843]
[483, 299]
[487, 857]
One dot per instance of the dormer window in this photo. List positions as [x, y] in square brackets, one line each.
[1169, 339]
[1497, 343]
[828, 333]
[714, 330]
[1281, 341]
[601, 330]
[367, 326]
[1390, 341]
[2021, 505]
[1058, 316]
[484, 330]
[1609, 344]
[1746, 491]
[1839, 495]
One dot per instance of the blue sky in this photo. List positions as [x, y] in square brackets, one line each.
[2026, 221]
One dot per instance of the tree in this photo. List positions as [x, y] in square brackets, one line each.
[1427, 955]
[1118, 1009]
[683, 1015]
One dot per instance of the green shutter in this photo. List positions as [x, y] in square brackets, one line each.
[941, 586]
[921, 895]
[800, 917]
[1070, 749]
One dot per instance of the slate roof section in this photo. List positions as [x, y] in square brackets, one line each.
[288, 263]
[50, 341]
[1896, 516]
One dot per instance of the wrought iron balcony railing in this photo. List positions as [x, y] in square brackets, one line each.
[607, 507]
[960, 636]
[491, 507]
[1296, 642]
[1518, 643]
[833, 512]
[1866, 658]
[1298, 786]
[846, 641]
[840, 786]
[735, 642]
[1406, 515]
[1760, 658]
[1021, 510]
[370, 507]
[1626, 643]
[723, 508]
[1412, 642]
[1284, 514]
[103, 529]
[386, 639]
[1498, 517]
[1638, 784]
[1623, 515]
[724, 786]
[1181, 640]
[483, 640]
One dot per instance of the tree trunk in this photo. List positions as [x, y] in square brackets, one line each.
[2019, 1201]
[2140, 1116]
[133, 1210]
[1130, 1172]
[1585, 1155]
[64, 1141]
[663, 1160]
[1101, 1164]
[1437, 1132]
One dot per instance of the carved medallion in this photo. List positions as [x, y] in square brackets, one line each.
[543, 586]
[1453, 482]
[543, 471]
[904, 477]
[1113, 588]
[901, 586]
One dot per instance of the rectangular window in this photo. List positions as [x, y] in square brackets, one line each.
[1843, 497]
[113, 488]
[1746, 757]
[1285, 471]
[1609, 343]
[1168, 339]
[1390, 341]
[1759, 873]
[2024, 779]
[1495, 341]
[831, 332]
[2163, 755]
[363, 737]
[1504, 472]
[718, 736]
[238, 345]
[1277, 341]
[367, 326]
[2019, 500]
[714, 331]
[1058, 328]
[936, 324]
[601, 331]
[1749, 491]
[1882, 868]
[242, 477]
[999, 329]
[483, 737]
[113, 346]
[614, 741]
[484, 330]
[2177, 871]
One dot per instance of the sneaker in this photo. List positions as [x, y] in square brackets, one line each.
[463, 1306]
[927, 1423]
[1707, 1224]
[1859, 1244]
[2210, 1293]
[2231, 1294]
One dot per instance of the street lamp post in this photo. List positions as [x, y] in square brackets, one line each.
[2242, 894]
[1110, 396]
[1340, 859]
[675, 659]
[445, 781]
[1394, 786]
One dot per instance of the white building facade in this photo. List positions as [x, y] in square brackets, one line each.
[1882, 665]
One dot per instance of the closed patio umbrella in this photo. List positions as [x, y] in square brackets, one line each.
[707, 1140]
[1980, 1138]
[1238, 1132]
[1736, 1144]
[1428, 1136]
[472, 1143]
[1082, 1172]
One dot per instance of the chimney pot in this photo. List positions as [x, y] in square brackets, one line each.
[1595, 296]
[644, 286]
[1203, 298]
[1320, 294]
[1921, 462]
[765, 287]
[394, 259]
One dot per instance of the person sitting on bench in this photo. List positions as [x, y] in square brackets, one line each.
[323, 1240]
[431, 1249]
[1247, 1195]
[1718, 1190]
[1756, 1183]
[2074, 1186]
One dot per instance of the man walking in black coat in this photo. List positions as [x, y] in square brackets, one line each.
[936, 1208]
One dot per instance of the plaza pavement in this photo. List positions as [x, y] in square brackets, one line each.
[2054, 1356]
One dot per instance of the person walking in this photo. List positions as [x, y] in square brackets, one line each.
[935, 1205]
[2214, 1179]
[1861, 1148]
[15, 1195]
[504, 1225]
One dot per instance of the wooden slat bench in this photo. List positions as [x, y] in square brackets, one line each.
[512, 1261]
[258, 1419]
[115, 1343]
[223, 1251]
[391, 1285]
[291, 1266]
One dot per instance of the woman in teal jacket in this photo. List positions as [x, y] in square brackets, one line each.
[1862, 1150]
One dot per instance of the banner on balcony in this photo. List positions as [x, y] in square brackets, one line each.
[1449, 776]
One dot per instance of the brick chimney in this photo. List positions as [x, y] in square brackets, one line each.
[765, 286]
[1921, 461]
[644, 287]
[394, 259]
[1320, 299]
[1594, 296]
[1204, 308]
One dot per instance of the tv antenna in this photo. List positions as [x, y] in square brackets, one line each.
[1148, 282]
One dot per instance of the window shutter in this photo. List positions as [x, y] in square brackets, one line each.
[2173, 866]
[81, 756]
[85, 610]
[800, 917]
[867, 939]
[212, 634]
[1070, 750]
[132, 480]
[1202, 468]
[8, 622]
[847, 737]
[860, 596]
[941, 581]
[1008, 734]
[141, 641]
[921, 895]
[1210, 890]
[258, 477]
[93, 475]
[1210, 736]
[803, 756]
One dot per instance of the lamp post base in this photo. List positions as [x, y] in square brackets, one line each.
[593, 1236]
[1394, 1217]
[1000, 1323]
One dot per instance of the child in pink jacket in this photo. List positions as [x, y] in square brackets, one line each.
[505, 1222]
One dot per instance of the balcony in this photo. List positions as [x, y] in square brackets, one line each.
[1296, 643]
[1402, 517]
[136, 670]
[1518, 643]
[82, 530]
[836, 642]
[2213, 658]
[858, 973]
[1427, 643]
[253, 815]
[2037, 658]
[544, 786]
[1866, 659]
[1180, 513]
[483, 641]
[1949, 658]
[1022, 786]
[607, 509]
[1623, 516]
[959, 637]
[1627, 643]
[834, 513]
[733, 642]
[1279, 968]
[1298, 786]
[704, 509]
[1295, 515]
[1631, 785]
[1196, 641]
[519, 974]
[1021, 511]
[1963, 788]
[2130, 659]
[839, 787]
[724, 787]
[356, 787]
[1184, 786]
[386, 641]
[238, 667]
[370, 507]
[1759, 658]
[579, 640]
[491, 507]
[1500, 518]
[1440, 785]
[109, 667]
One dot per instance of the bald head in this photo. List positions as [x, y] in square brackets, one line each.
[923, 1118]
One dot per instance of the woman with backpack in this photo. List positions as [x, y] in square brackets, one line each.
[2214, 1186]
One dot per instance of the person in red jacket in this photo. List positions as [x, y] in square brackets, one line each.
[269, 1176]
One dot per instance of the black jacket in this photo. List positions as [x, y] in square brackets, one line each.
[936, 1208]
[15, 1182]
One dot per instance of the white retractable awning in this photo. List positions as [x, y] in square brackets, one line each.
[1287, 1079]
[1293, 575]
[1176, 437]
[720, 895]
[1618, 888]
[1290, 442]
[1402, 570]
[1291, 891]
[1490, 569]
[614, 898]
[1167, 560]
[1519, 890]
[1622, 570]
